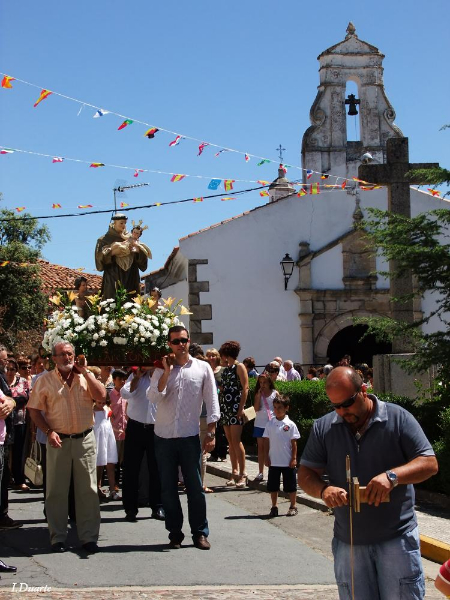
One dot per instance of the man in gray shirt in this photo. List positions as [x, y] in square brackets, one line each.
[389, 452]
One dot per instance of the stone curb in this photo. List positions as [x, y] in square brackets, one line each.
[434, 549]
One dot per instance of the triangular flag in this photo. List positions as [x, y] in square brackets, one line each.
[220, 152]
[150, 133]
[369, 188]
[85, 206]
[264, 193]
[434, 192]
[301, 192]
[283, 168]
[247, 157]
[124, 124]
[123, 204]
[202, 147]
[57, 159]
[344, 184]
[262, 182]
[214, 184]
[100, 113]
[198, 199]
[96, 165]
[309, 174]
[360, 180]
[6, 81]
[44, 94]
[137, 171]
[324, 176]
[6, 151]
[4, 263]
[20, 208]
[261, 162]
[315, 188]
[227, 198]
[176, 141]
[177, 177]
[228, 184]
[157, 203]
[56, 206]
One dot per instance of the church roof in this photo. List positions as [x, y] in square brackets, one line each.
[351, 45]
[281, 183]
[60, 277]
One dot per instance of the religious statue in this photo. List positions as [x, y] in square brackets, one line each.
[120, 255]
[79, 301]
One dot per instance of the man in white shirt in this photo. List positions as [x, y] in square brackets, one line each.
[179, 390]
[291, 373]
[140, 440]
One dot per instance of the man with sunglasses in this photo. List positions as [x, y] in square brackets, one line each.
[179, 390]
[388, 453]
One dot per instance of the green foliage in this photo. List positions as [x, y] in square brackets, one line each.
[22, 304]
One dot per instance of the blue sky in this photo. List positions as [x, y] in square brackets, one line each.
[239, 74]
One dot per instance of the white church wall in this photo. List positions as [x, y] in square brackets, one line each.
[327, 270]
[179, 291]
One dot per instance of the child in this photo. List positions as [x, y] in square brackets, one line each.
[106, 449]
[265, 395]
[281, 457]
[119, 417]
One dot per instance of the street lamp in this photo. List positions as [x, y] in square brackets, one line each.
[287, 266]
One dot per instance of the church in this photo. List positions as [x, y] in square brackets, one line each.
[309, 316]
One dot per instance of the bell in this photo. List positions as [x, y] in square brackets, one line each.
[352, 102]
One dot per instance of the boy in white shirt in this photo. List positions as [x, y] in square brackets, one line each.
[281, 456]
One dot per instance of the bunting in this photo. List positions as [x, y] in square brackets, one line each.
[369, 188]
[96, 165]
[324, 176]
[198, 199]
[125, 124]
[227, 198]
[315, 188]
[283, 168]
[202, 147]
[157, 203]
[44, 94]
[214, 184]
[6, 151]
[4, 263]
[264, 193]
[137, 171]
[309, 174]
[435, 193]
[228, 184]
[344, 184]
[301, 192]
[220, 152]
[20, 208]
[261, 162]
[360, 180]
[85, 206]
[58, 159]
[177, 177]
[56, 206]
[247, 157]
[123, 205]
[100, 113]
[262, 182]
[176, 141]
[6, 81]
[150, 133]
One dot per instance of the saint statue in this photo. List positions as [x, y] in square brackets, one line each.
[120, 255]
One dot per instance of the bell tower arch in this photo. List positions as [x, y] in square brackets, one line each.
[325, 146]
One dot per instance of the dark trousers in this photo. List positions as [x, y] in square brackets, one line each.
[139, 440]
[6, 476]
[185, 452]
[17, 453]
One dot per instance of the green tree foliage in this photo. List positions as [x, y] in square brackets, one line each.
[23, 306]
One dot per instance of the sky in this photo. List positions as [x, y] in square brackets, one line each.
[242, 75]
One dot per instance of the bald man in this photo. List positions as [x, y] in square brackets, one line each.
[389, 452]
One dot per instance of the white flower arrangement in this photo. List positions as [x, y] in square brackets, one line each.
[140, 325]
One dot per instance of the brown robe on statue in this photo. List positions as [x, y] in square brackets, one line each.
[112, 271]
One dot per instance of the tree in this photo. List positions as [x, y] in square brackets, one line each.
[23, 306]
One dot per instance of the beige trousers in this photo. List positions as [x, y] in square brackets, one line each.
[78, 455]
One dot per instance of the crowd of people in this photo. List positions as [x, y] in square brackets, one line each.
[192, 406]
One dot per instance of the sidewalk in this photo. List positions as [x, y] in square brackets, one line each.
[434, 521]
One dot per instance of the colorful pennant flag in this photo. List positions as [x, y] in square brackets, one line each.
[57, 159]
[315, 188]
[369, 188]
[6, 151]
[123, 204]
[85, 206]
[214, 184]
[261, 162]
[324, 176]
[124, 124]
[302, 192]
[96, 165]
[344, 184]
[360, 180]
[44, 94]
[309, 174]
[150, 133]
[283, 168]
[176, 141]
[220, 152]
[264, 193]
[228, 184]
[202, 147]
[56, 206]
[247, 157]
[227, 198]
[100, 113]
[157, 203]
[435, 193]
[6, 81]
[177, 177]
[20, 208]
[198, 199]
[4, 263]
[137, 171]
[262, 182]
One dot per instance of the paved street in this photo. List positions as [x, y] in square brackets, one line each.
[249, 554]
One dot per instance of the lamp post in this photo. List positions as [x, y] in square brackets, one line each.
[287, 266]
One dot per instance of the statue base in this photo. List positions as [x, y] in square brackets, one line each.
[125, 358]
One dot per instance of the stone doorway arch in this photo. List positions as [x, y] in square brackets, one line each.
[347, 341]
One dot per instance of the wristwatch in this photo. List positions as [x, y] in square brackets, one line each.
[392, 478]
[211, 434]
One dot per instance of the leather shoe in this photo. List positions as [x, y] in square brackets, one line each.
[159, 514]
[131, 518]
[90, 547]
[6, 568]
[58, 547]
[202, 543]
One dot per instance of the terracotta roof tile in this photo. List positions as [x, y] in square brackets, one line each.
[58, 276]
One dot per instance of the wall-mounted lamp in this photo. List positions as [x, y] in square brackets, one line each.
[287, 265]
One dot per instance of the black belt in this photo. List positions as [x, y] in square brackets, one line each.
[144, 425]
[74, 436]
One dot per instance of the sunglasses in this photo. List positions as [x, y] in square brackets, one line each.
[25, 368]
[179, 341]
[346, 403]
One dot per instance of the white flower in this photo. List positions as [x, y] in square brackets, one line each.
[128, 305]
[95, 336]
[142, 339]
[93, 344]
[103, 343]
[121, 341]
[101, 333]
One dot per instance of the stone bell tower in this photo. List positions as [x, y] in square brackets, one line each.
[325, 146]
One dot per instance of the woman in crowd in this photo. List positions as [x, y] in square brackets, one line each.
[249, 364]
[221, 446]
[232, 398]
[265, 394]
[20, 390]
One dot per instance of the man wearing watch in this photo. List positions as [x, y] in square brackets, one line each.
[65, 395]
[179, 389]
[388, 453]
